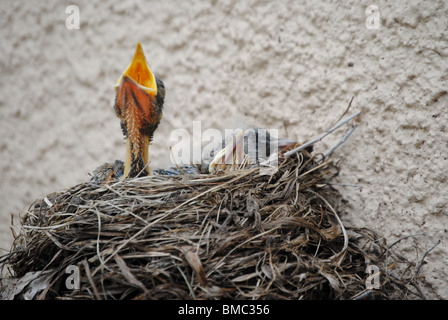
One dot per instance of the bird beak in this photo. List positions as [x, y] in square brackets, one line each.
[140, 74]
[228, 153]
[233, 153]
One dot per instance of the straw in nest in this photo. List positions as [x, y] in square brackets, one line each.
[235, 235]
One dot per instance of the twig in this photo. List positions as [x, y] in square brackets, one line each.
[98, 238]
[321, 136]
[417, 269]
[127, 273]
[187, 283]
[365, 295]
[345, 112]
[217, 265]
[398, 240]
[405, 237]
[354, 185]
[89, 277]
[399, 282]
[419, 265]
[344, 232]
[344, 138]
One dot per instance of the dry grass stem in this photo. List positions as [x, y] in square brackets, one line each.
[232, 235]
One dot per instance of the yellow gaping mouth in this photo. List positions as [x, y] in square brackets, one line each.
[140, 73]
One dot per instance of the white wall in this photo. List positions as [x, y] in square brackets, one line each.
[230, 64]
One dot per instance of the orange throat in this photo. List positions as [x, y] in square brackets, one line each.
[136, 157]
[139, 118]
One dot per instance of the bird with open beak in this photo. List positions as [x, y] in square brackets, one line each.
[252, 146]
[139, 105]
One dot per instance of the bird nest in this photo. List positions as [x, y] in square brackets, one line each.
[233, 235]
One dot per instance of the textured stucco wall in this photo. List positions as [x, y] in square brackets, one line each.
[230, 64]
